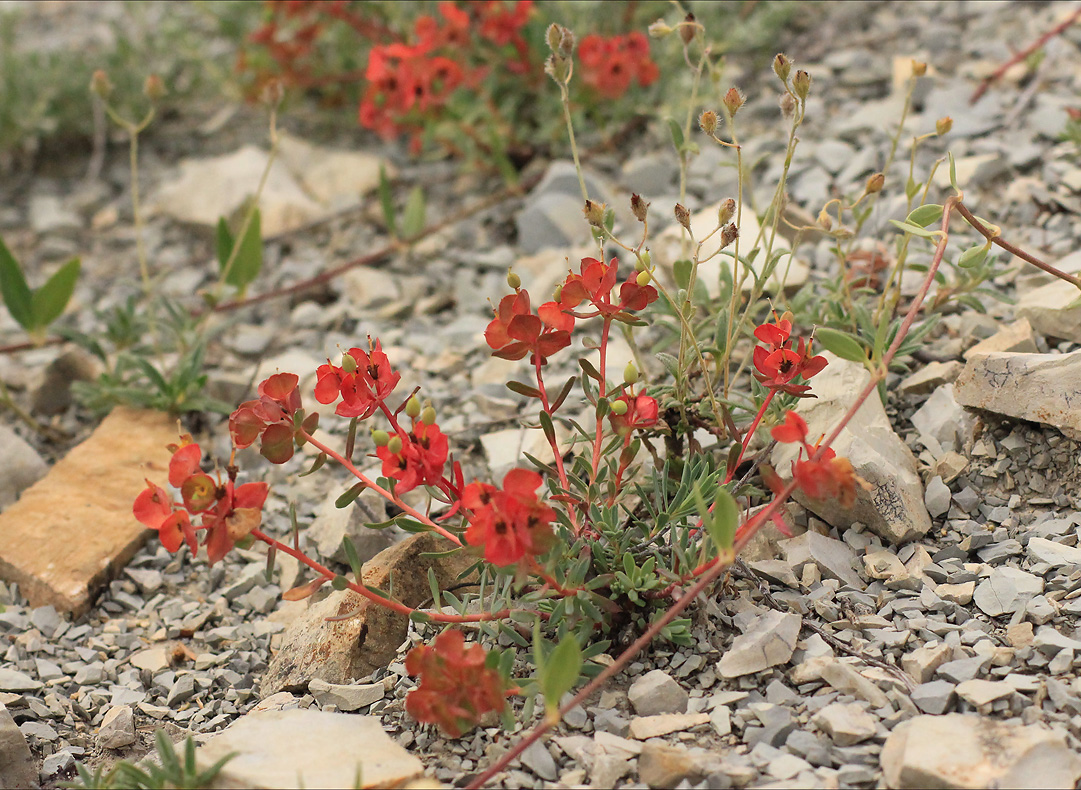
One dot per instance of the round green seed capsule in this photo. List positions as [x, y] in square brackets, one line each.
[619, 407]
[630, 373]
[643, 278]
[349, 364]
[427, 416]
[395, 444]
[513, 280]
[380, 438]
[413, 407]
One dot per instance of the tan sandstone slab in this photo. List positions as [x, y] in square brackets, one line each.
[308, 748]
[72, 531]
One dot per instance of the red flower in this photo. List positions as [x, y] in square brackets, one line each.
[421, 459]
[827, 477]
[456, 686]
[502, 24]
[512, 523]
[777, 364]
[610, 65]
[228, 513]
[516, 331]
[363, 389]
[641, 413]
[595, 284]
[271, 419]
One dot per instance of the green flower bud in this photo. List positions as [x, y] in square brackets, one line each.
[413, 407]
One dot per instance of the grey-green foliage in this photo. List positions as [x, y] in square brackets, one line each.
[173, 772]
[44, 93]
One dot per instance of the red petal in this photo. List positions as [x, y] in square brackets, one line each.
[171, 531]
[250, 495]
[185, 461]
[152, 506]
[524, 327]
[521, 482]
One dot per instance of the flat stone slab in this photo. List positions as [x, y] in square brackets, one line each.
[1036, 387]
[308, 748]
[73, 531]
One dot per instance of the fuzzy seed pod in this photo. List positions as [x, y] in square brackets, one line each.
[100, 84]
[659, 29]
[788, 105]
[708, 121]
[729, 233]
[782, 67]
[919, 68]
[726, 212]
[683, 215]
[943, 125]
[824, 220]
[688, 29]
[639, 207]
[875, 183]
[594, 212]
[154, 88]
[801, 84]
[733, 100]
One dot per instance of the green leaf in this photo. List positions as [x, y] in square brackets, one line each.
[677, 134]
[725, 519]
[224, 243]
[413, 221]
[14, 289]
[953, 172]
[339, 583]
[924, 215]
[547, 427]
[352, 557]
[523, 389]
[842, 344]
[915, 230]
[911, 188]
[560, 673]
[48, 302]
[973, 256]
[249, 256]
[681, 271]
[386, 200]
[349, 496]
[316, 466]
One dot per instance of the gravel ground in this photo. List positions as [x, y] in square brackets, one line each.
[978, 599]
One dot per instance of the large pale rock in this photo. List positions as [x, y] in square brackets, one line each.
[1014, 337]
[341, 651]
[305, 183]
[22, 466]
[307, 748]
[966, 751]
[73, 531]
[332, 524]
[943, 424]
[1051, 310]
[17, 766]
[1037, 387]
[894, 506]
[666, 250]
[768, 642]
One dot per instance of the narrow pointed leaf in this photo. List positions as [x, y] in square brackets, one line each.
[13, 288]
[840, 343]
[413, 220]
[561, 672]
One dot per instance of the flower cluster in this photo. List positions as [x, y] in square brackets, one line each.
[363, 381]
[409, 83]
[827, 477]
[516, 331]
[637, 411]
[777, 365]
[416, 457]
[276, 419]
[610, 65]
[511, 523]
[227, 512]
[456, 686]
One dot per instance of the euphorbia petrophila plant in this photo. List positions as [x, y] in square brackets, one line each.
[590, 541]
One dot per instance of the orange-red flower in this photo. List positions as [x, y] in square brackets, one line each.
[777, 365]
[271, 419]
[421, 459]
[362, 390]
[641, 413]
[610, 65]
[511, 523]
[594, 285]
[516, 331]
[456, 686]
[227, 512]
[828, 476]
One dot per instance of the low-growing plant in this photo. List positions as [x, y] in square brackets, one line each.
[171, 773]
[627, 518]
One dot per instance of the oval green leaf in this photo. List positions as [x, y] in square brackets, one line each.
[842, 344]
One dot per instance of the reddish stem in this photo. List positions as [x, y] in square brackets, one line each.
[1018, 57]
[552, 440]
[748, 436]
[604, 391]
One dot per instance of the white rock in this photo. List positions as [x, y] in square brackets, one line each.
[1048, 310]
[893, 509]
[846, 723]
[117, 728]
[332, 524]
[1036, 387]
[1014, 337]
[1005, 589]
[937, 497]
[1054, 554]
[307, 748]
[768, 642]
[942, 423]
[978, 692]
[966, 751]
[22, 466]
[922, 662]
[645, 727]
[154, 659]
[657, 692]
[346, 697]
